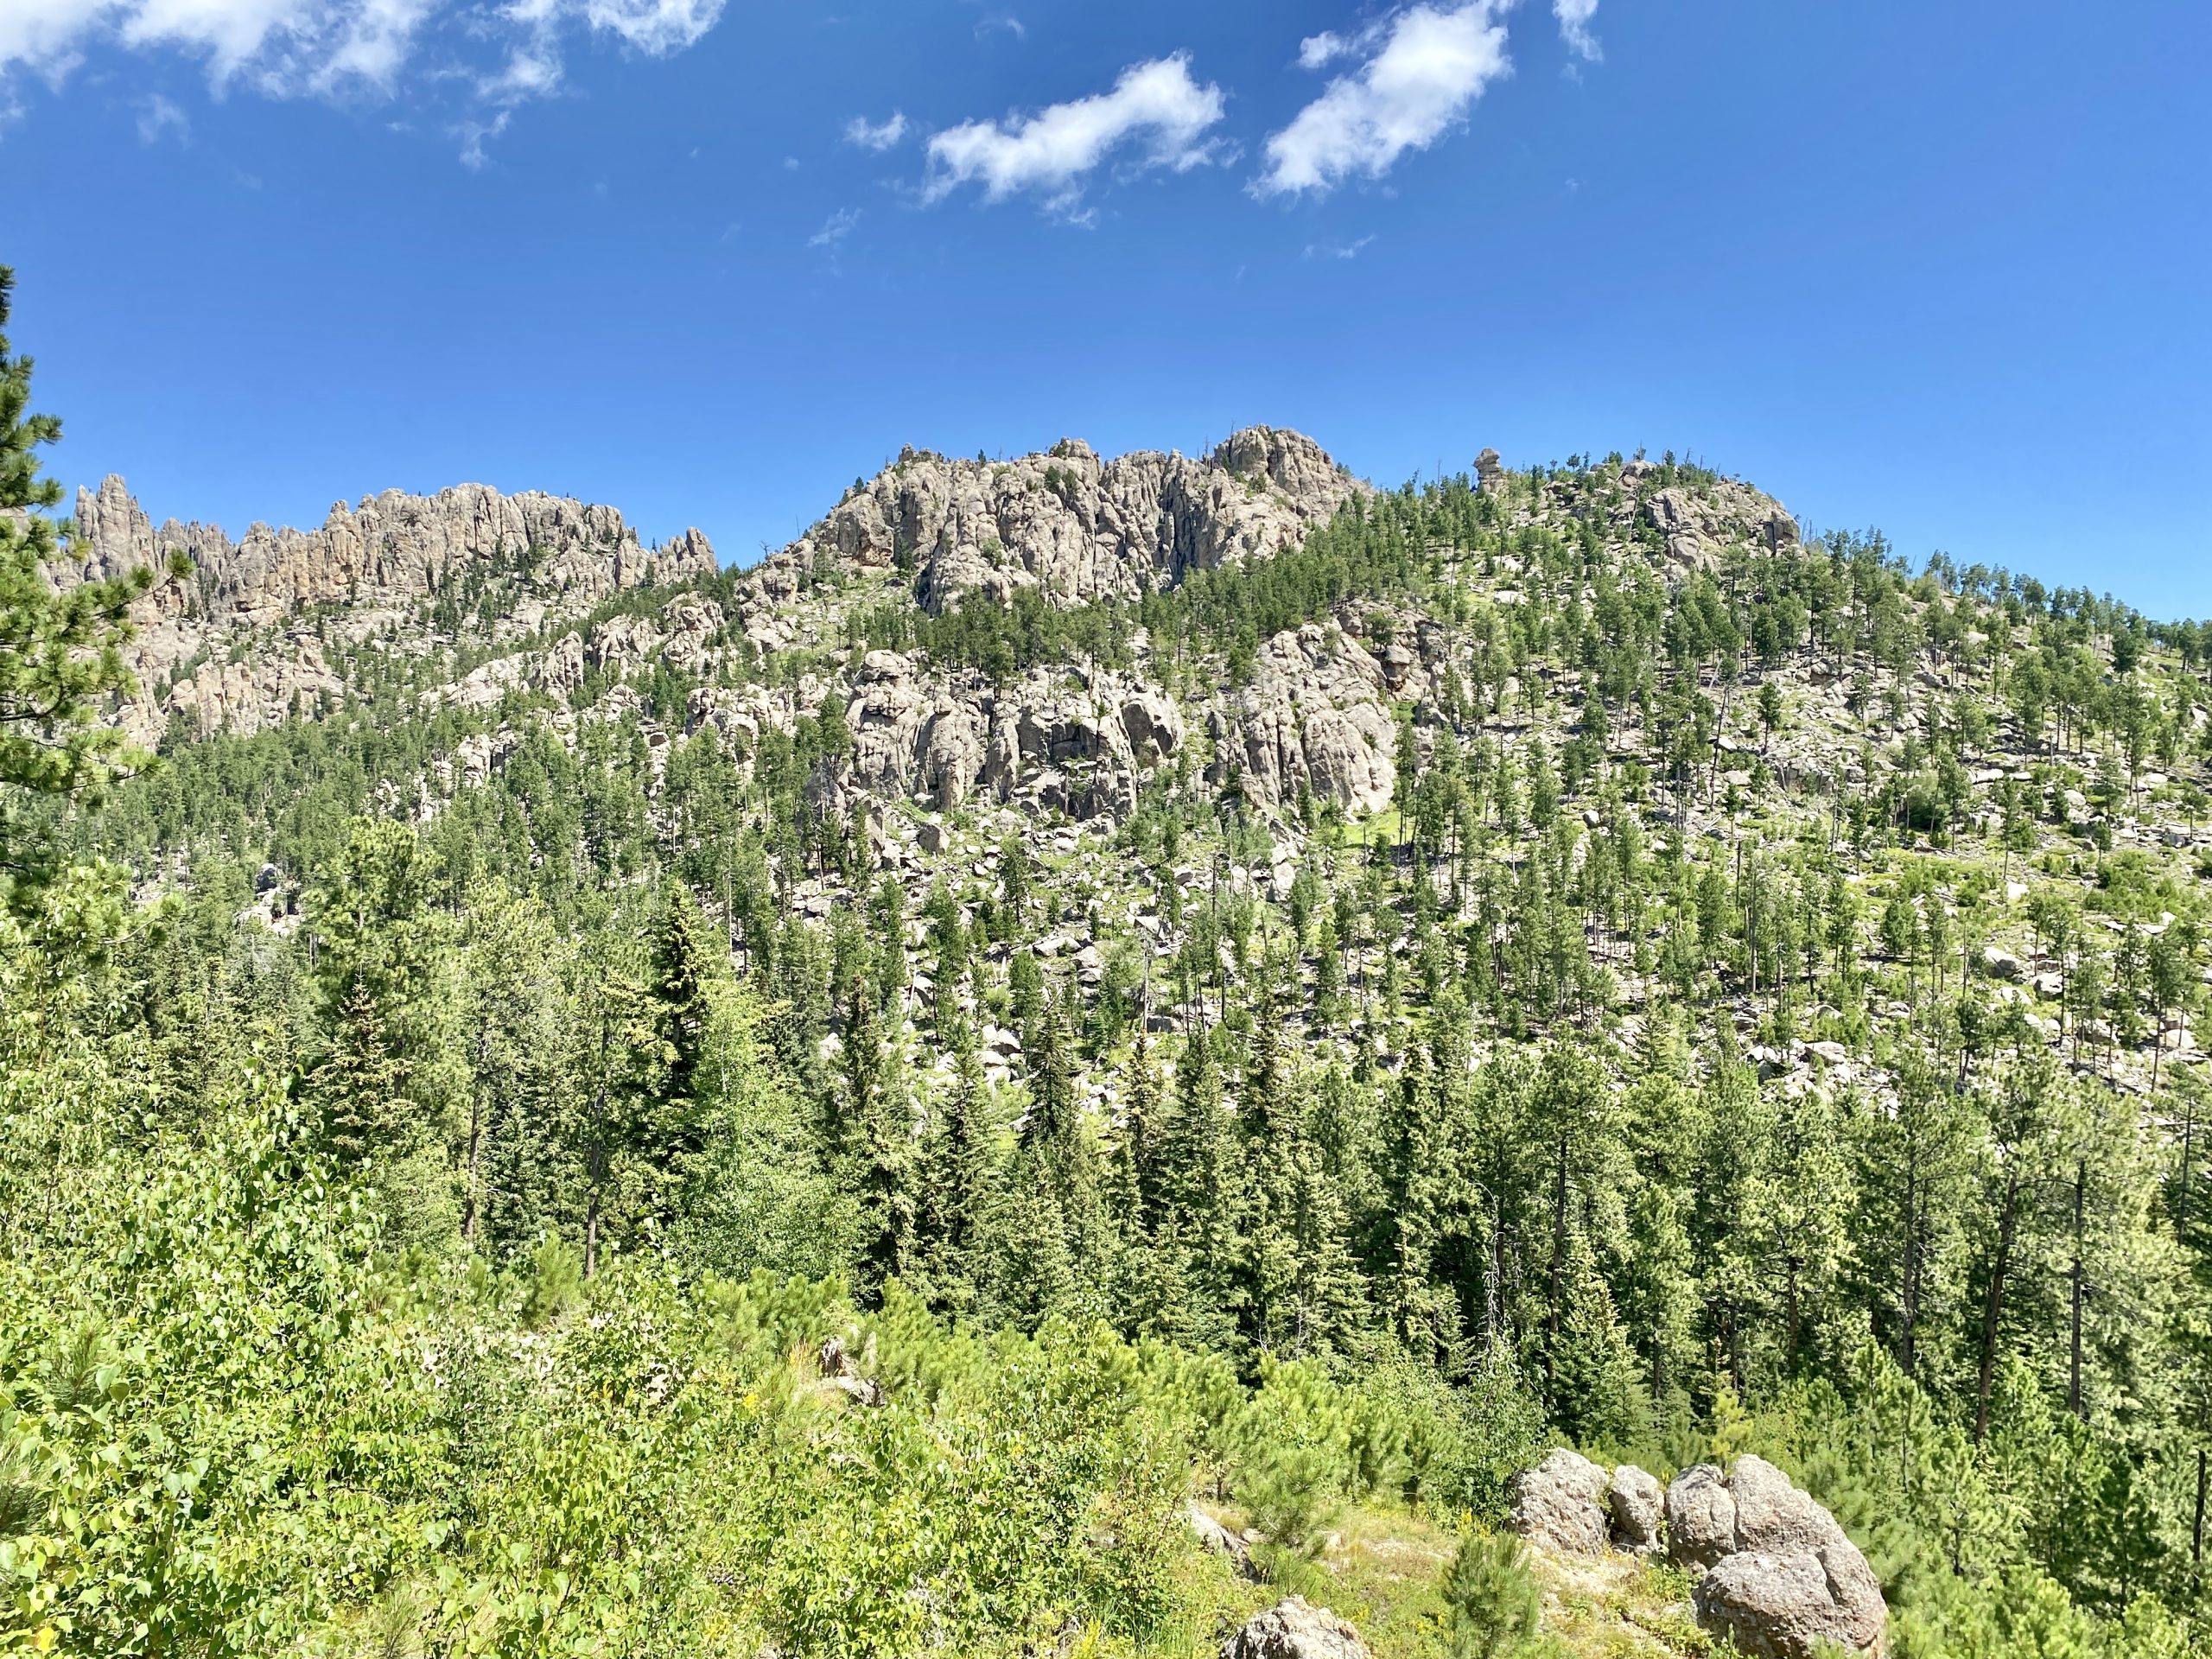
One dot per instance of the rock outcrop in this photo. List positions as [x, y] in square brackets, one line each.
[1781, 1577]
[1696, 524]
[1293, 1630]
[1637, 1505]
[1560, 1503]
[238, 645]
[1793, 1606]
[1220, 1540]
[1073, 527]
[1574, 1507]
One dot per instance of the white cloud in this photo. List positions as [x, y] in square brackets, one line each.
[1319, 51]
[1574, 17]
[835, 229]
[878, 135]
[1338, 250]
[1430, 64]
[503, 54]
[47, 34]
[1156, 107]
[655, 27]
[374, 45]
[229, 32]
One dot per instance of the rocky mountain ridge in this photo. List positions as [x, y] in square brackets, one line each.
[242, 643]
[1072, 526]
[246, 642]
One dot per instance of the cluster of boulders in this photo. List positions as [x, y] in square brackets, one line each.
[1780, 1580]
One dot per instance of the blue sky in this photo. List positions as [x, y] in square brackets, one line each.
[1941, 267]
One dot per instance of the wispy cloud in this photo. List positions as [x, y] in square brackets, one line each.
[1000, 22]
[474, 135]
[878, 135]
[1156, 116]
[1426, 66]
[157, 115]
[1338, 250]
[1574, 17]
[837, 229]
[501, 54]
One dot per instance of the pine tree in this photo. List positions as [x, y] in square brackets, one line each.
[61, 648]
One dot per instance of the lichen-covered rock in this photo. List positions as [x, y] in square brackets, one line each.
[1773, 1515]
[1700, 1516]
[1782, 1577]
[1637, 1505]
[1561, 1505]
[1293, 1630]
[1789, 1605]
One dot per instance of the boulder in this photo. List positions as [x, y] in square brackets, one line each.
[1773, 1515]
[1638, 1507]
[1224, 1543]
[1293, 1630]
[1782, 1578]
[1791, 1605]
[1561, 1505]
[1700, 1516]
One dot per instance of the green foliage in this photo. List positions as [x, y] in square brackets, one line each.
[1491, 1603]
[60, 649]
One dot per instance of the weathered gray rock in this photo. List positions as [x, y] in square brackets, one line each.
[1293, 1630]
[369, 565]
[1781, 1576]
[1773, 1515]
[1071, 526]
[1788, 1606]
[1637, 1505]
[1700, 1516]
[1218, 1539]
[1561, 1505]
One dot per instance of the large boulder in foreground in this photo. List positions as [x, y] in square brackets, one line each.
[1560, 1503]
[1782, 1578]
[1293, 1630]
[1788, 1606]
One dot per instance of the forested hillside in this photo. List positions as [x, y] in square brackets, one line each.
[862, 1106]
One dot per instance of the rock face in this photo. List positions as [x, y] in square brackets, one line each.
[1293, 1629]
[1700, 1516]
[1072, 527]
[1572, 1505]
[1560, 1503]
[1639, 1509]
[1778, 1606]
[1315, 718]
[1696, 523]
[1781, 1576]
[272, 600]
[1213, 1536]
